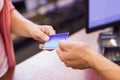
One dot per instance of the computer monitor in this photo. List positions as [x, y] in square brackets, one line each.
[102, 14]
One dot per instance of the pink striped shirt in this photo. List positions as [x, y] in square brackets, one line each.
[5, 32]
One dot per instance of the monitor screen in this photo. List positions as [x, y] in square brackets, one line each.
[102, 14]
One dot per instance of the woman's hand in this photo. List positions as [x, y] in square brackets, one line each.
[41, 33]
[23, 27]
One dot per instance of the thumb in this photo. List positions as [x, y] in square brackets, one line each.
[64, 45]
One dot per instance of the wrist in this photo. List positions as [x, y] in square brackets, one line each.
[97, 61]
[93, 58]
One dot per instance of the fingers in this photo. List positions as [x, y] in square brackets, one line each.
[43, 36]
[51, 32]
[47, 29]
[64, 57]
[40, 36]
[41, 46]
[63, 45]
[60, 54]
[44, 32]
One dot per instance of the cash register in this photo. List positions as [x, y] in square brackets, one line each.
[105, 14]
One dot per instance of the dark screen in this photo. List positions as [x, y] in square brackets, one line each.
[102, 13]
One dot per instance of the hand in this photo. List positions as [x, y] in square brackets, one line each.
[41, 33]
[75, 54]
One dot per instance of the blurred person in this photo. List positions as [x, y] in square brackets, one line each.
[11, 21]
[79, 55]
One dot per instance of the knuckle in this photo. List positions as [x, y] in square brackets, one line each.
[63, 59]
[74, 67]
[50, 27]
[54, 31]
[67, 64]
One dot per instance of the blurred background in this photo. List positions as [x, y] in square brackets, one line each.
[63, 15]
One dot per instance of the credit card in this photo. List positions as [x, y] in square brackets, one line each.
[52, 43]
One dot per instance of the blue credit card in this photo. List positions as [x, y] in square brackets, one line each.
[52, 43]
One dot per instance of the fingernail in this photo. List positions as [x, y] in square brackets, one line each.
[63, 40]
[46, 38]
